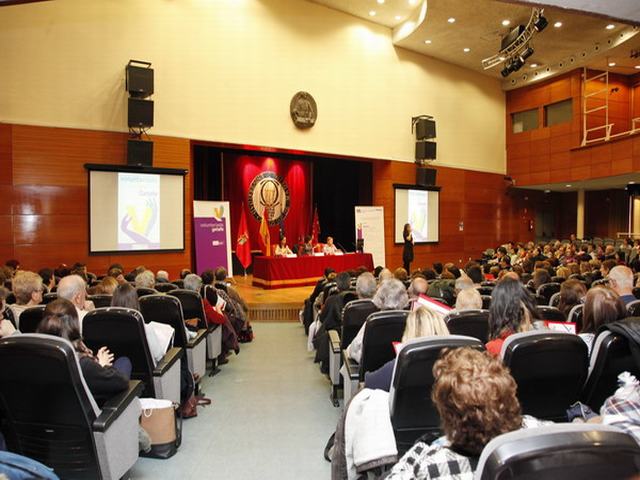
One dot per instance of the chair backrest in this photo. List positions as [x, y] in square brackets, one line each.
[550, 313]
[549, 368]
[554, 300]
[348, 296]
[610, 356]
[413, 414]
[122, 331]
[354, 315]
[632, 307]
[484, 290]
[486, 302]
[191, 305]
[558, 452]
[327, 288]
[31, 318]
[165, 309]
[10, 315]
[49, 297]
[488, 284]
[470, 323]
[165, 287]
[142, 291]
[575, 316]
[548, 289]
[557, 279]
[101, 300]
[45, 404]
[179, 283]
[382, 329]
[540, 299]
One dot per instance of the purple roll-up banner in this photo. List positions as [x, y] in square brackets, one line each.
[211, 229]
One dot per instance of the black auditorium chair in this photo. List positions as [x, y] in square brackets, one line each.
[382, 328]
[575, 316]
[557, 279]
[354, 314]
[554, 301]
[548, 289]
[327, 288]
[179, 283]
[610, 356]
[31, 318]
[488, 284]
[11, 299]
[142, 291]
[559, 452]
[48, 413]
[633, 308]
[636, 292]
[550, 369]
[486, 302]
[413, 414]
[471, 323]
[122, 330]
[550, 314]
[540, 299]
[165, 287]
[167, 309]
[484, 290]
[101, 300]
[49, 297]
[192, 307]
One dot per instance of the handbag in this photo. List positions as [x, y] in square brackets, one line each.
[189, 409]
[163, 426]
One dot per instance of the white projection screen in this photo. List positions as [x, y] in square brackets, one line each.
[421, 208]
[135, 212]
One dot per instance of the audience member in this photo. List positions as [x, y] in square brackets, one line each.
[621, 281]
[602, 305]
[73, 288]
[572, 293]
[48, 278]
[400, 274]
[162, 276]
[468, 299]
[27, 288]
[109, 284]
[145, 279]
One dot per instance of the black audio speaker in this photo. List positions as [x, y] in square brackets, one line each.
[140, 113]
[140, 153]
[425, 129]
[633, 189]
[139, 81]
[425, 150]
[425, 177]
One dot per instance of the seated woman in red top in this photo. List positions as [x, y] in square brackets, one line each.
[512, 310]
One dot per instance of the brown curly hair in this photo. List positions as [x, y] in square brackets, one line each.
[475, 396]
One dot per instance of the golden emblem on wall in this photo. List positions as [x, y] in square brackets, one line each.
[304, 110]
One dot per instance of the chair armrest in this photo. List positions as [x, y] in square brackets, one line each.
[172, 356]
[200, 336]
[353, 367]
[334, 341]
[116, 405]
[212, 327]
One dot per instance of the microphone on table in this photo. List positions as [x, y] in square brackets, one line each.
[340, 247]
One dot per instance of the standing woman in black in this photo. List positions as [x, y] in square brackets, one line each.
[407, 249]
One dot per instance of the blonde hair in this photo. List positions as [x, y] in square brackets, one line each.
[468, 299]
[24, 284]
[424, 322]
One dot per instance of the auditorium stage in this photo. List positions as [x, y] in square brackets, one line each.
[281, 305]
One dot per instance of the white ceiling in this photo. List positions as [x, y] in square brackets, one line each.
[582, 40]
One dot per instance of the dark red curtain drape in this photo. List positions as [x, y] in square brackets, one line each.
[239, 172]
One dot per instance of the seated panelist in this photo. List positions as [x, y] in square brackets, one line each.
[307, 246]
[283, 249]
[329, 248]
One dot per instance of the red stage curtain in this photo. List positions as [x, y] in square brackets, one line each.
[239, 172]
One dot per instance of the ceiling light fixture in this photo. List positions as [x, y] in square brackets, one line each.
[380, 2]
[637, 67]
[428, 42]
[506, 23]
[557, 24]
[451, 20]
[534, 65]
[612, 64]
[466, 49]
[412, 2]
[568, 185]
[611, 26]
[372, 13]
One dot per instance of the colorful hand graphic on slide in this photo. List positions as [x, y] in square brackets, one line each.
[137, 225]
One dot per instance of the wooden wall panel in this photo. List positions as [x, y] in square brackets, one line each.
[6, 147]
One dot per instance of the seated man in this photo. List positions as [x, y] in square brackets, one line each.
[145, 279]
[621, 281]
[476, 399]
[73, 288]
[329, 248]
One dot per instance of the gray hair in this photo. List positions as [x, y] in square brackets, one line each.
[418, 285]
[391, 295]
[462, 283]
[162, 274]
[366, 285]
[70, 286]
[145, 279]
[468, 299]
[385, 274]
[192, 282]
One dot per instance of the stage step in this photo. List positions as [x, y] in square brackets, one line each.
[274, 313]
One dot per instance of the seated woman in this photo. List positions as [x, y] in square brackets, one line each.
[391, 295]
[601, 306]
[572, 293]
[27, 287]
[468, 299]
[422, 322]
[159, 335]
[282, 249]
[307, 247]
[476, 399]
[512, 311]
[104, 377]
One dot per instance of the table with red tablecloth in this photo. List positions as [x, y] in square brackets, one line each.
[282, 272]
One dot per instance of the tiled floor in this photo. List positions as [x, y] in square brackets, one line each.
[270, 417]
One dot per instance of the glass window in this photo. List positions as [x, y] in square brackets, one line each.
[556, 113]
[523, 121]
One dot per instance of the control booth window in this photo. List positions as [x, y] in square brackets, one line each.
[560, 112]
[524, 121]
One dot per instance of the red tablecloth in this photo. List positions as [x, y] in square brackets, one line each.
[279, 272]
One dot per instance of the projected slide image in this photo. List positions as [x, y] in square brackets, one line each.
[418, 210]
[138, 211]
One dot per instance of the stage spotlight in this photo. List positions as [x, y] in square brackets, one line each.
[541, 23]
[527, 53]
[516, 64]
[505, 72]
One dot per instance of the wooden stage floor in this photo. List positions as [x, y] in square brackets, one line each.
[278, 305]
